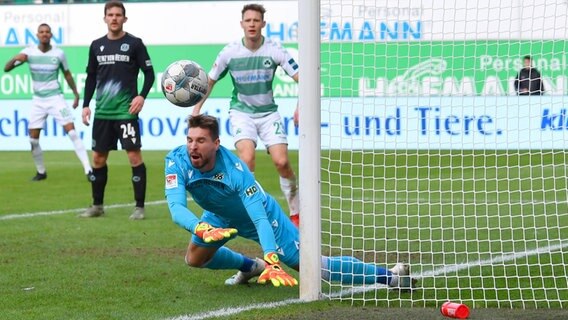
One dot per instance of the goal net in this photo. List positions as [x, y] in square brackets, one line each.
[429, 156]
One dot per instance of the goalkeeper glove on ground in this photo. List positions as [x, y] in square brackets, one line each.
[274, 273]
[210, 234]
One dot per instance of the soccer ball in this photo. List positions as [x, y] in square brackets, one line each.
[184, 83]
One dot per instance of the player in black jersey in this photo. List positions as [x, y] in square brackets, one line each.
[112, 70]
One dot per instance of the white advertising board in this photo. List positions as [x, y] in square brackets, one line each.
[437, 123]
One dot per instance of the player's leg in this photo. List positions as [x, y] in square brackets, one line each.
[104, 139]
[272, 133]
[244, 134]
[288, 181]
[64, 117]
[37, 155]
[38, 115]
[350, 270]
[79, 147]
[131, 142]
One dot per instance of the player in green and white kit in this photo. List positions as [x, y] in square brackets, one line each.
[45, 61]
[251, 63]
[112, 70]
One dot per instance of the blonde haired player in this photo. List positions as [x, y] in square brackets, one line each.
[251, 63]
[45, 61]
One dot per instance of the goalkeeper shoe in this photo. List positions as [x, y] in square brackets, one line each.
[244, 277]
[402, 278]
[93, 212]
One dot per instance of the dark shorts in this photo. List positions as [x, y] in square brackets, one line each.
[107, 132]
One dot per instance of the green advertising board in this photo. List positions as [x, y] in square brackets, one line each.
[457, 68]
[448, 68]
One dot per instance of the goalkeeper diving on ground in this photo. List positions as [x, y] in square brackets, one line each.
[236, 205]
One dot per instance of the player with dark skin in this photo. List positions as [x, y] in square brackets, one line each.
[46, 98]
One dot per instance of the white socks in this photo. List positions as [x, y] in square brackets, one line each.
[290, 189]
[80, 150]
[37, 155]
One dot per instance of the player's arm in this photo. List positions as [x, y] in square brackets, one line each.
[273, 272]
[138, 102]
[296, 78]
[181, 215]
[197, 107]
[253, 198]
[143, 60]
[176, 195]
[71, 82]
[15, 61]
[290, 66]
[217, 72]
[90, 85]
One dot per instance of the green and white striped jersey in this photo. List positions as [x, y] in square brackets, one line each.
[44, 69]
[252, 73]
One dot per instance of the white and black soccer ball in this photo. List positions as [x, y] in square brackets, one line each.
[184, 83]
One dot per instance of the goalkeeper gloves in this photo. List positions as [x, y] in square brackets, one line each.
[210, 234]
[274, 273]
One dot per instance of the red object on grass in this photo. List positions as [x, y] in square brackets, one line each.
[455, 310]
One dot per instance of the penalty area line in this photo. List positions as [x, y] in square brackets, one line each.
[354, 290]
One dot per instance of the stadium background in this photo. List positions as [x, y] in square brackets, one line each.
[482, 71]
[410, 54]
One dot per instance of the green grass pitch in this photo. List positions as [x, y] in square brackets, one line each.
[432, 210]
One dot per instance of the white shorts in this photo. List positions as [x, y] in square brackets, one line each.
[54, 106]
[269, 128]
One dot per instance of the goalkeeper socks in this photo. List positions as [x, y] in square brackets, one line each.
[37, 155]
[350, 270]
[139, 184]
[247, 264]
[225, 258]
[289, 187]
[99, 184]
[80, 150]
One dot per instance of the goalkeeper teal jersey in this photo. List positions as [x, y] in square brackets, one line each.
[229, 191]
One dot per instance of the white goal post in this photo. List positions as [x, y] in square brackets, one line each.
[419, 143]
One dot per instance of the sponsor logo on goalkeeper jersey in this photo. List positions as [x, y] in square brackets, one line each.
[171, 181]
[251, 190]
[219, 176]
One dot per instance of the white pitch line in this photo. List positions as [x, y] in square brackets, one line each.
[77, 210]
[231, 311]
[56, 212]
[236, 310]
[498, 259]
[432, 273]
